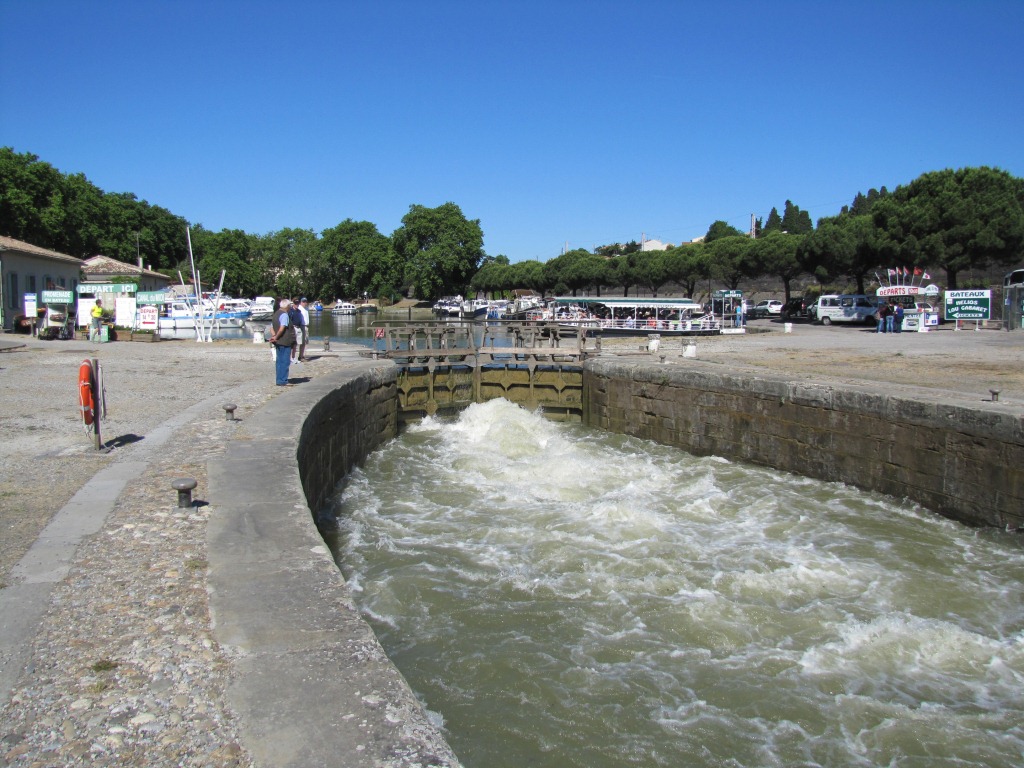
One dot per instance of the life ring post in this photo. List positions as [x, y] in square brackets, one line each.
[90, 398]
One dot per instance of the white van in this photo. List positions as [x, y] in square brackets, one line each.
[845, 308]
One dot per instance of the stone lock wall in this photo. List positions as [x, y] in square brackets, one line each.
[311, 684]
[962, 459]
[343, 428]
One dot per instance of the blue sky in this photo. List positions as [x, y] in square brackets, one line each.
[553, 123]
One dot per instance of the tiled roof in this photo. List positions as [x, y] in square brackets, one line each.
[106, 266]
[10, 244]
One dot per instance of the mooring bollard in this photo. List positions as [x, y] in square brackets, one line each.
[995, 394]
[229, 411]
[184, 486]
[327, 343]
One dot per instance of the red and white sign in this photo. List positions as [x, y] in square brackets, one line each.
[899, 290]
[149, 317]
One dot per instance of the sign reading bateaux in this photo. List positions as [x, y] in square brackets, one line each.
[969, 305]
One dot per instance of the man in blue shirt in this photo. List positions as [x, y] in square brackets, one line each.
[283, 339]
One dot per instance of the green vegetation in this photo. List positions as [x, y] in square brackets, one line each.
[953, 221]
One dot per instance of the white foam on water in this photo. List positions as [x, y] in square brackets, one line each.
[592, 599]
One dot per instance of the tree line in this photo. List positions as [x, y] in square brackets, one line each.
[435, 250]
[949, 220]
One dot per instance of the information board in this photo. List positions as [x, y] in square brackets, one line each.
[58, 297]
[969, 305]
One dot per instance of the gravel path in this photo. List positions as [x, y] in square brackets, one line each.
[123, 670]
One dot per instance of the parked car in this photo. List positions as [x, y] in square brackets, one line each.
[766, 308]
[794, 309]
[845, 308]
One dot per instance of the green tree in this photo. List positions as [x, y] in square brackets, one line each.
[776, 254]
[653, 270]
[842, 246]
[529, 274]
[624, 271]
[774, 223]
[355, 258]
[796, 221]
[687, 265]
[31, 207]
[970, 218]
[730, 259]
[232, 251]
[440, 249]
[720, 229]
[576, 269]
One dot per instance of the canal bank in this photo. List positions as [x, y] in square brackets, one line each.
[140, 584]
[957, 456]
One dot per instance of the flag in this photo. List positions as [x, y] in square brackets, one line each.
[926, 276]
[917, 271]
[906, 272]
[891, 272]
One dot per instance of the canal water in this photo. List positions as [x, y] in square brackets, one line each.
[559, 596]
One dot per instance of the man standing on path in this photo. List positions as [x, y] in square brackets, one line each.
[295, 318]
[304, 310]
[283, 339]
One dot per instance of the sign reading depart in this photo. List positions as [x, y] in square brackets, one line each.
[968, 305]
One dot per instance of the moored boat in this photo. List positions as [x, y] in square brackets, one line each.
[343, 308]
[262, 308]
[183, 315]
[631, 316]
[448, 306]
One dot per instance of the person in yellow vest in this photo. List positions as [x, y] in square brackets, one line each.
[97, 318]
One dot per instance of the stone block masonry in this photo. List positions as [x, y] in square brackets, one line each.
[959, 457]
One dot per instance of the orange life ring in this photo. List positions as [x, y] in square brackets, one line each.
[86, 399]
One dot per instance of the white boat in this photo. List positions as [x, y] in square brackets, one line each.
[343, 308]
[522, 306]
[178, 315]
[227, 307]
[262, 308]
[496, 309]
[631, 317]
[474, 309]
[448, 306]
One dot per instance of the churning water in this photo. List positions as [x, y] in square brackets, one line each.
[559, 596]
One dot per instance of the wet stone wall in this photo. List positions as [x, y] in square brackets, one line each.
[962, 459]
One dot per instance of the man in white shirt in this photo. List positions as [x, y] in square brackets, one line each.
[304, 310]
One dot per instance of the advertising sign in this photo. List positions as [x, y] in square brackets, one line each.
[30, 305]
[899, 290]
[969, 305]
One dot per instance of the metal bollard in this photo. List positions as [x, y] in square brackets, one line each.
[327, 343]
[184, 486]
[229, 411]
[995, 394]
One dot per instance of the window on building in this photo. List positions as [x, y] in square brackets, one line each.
[31, 287]
[13, 294]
